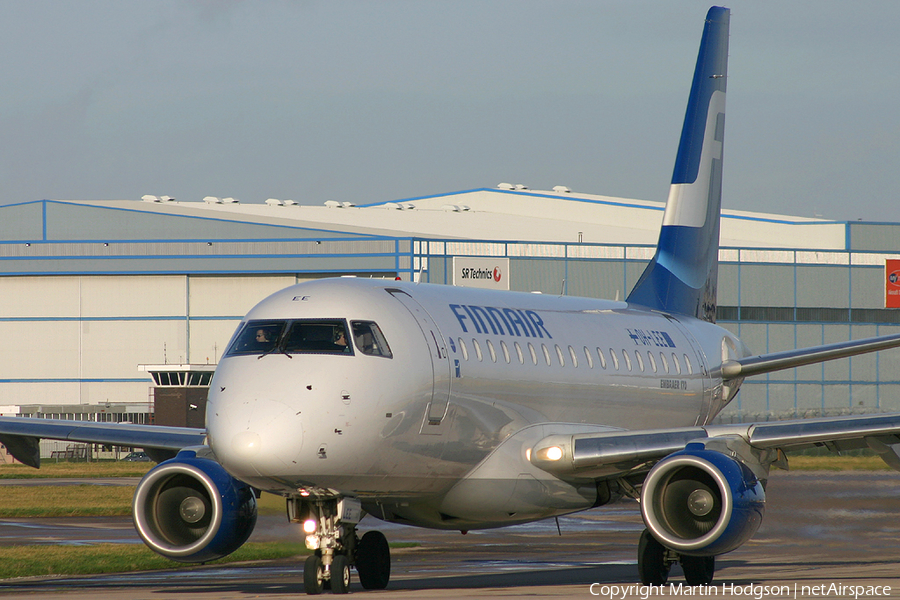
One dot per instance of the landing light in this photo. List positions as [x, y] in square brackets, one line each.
[309, 526]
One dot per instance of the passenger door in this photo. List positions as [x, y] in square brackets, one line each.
[434, 421]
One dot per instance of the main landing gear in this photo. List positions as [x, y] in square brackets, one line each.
[655, 560]
[330, 527]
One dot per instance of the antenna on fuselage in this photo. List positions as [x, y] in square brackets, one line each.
[421, 270]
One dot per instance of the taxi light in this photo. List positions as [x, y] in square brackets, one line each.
[552, 453]
[312, 542]
[309, 526]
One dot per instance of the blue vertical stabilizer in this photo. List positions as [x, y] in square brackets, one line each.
[681, 278]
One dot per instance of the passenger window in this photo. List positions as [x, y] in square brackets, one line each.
[665, 363]
[532, 352]
[627, 359]
[574, 357]
[369, 340]
[687, 365]
[559, 355]
[640, 361]
[491, 350]
[602, 358]
[519, 353]
[676, 363]
[477, 349]
[615, 358]
[652, 360]
[505, 350]
[588, 357]
[465, 351]
[546, 354]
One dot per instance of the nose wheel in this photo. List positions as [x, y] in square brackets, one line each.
[371, 556]
[373, 561]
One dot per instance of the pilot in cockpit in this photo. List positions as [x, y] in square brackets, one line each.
[340, 340]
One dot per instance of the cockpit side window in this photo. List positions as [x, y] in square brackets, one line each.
[313, 336]
[369, 340]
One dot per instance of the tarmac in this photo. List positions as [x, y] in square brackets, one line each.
[825, 535]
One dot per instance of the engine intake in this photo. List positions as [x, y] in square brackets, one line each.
[190, 509]
[701, 502]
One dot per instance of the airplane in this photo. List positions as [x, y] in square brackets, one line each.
[459, 408]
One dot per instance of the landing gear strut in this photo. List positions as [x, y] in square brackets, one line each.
[655, 561]
[330, 527]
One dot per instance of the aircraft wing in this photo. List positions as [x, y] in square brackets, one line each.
[607, 454]
[766, 363]
[21, 436]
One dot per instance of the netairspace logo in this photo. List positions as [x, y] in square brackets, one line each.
[752, 590]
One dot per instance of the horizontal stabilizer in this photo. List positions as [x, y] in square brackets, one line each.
[777, 361]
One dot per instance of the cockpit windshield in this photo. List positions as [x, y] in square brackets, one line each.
[319, 336]
[309, 336]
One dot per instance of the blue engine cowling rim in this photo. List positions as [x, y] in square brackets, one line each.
[228, 528]
[741, 493]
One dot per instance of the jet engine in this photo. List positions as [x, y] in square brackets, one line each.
[702, 502]
[190, 509]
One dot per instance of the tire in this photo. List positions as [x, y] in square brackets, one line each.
[698, 570]
[373, 561]
[313, 575]
[340, 574]
[652, 566]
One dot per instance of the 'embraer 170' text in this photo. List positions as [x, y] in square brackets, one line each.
[500, 321]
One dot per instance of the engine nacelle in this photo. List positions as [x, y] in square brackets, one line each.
[190, 509]
[701, 502]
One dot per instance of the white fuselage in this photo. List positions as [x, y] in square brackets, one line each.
[437, 433]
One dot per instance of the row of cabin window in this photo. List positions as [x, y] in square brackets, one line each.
[560, 355]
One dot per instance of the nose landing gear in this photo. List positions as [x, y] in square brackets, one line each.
[330, 525]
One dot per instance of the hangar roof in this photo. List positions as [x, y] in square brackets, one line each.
[497, 214]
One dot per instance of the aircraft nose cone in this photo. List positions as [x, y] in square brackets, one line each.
[246, 444]
[255, 437]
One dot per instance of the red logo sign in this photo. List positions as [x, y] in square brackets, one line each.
[892, 283]
[497, 274]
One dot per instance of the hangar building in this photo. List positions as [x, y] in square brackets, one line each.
[97, 297]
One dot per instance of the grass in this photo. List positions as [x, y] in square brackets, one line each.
[30, 561]
[87, 500]
[32, 501]
[53, 470]
[800, 462]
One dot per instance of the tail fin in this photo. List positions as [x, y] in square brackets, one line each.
[681, 278]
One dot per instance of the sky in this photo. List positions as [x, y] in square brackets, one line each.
[366, 101]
